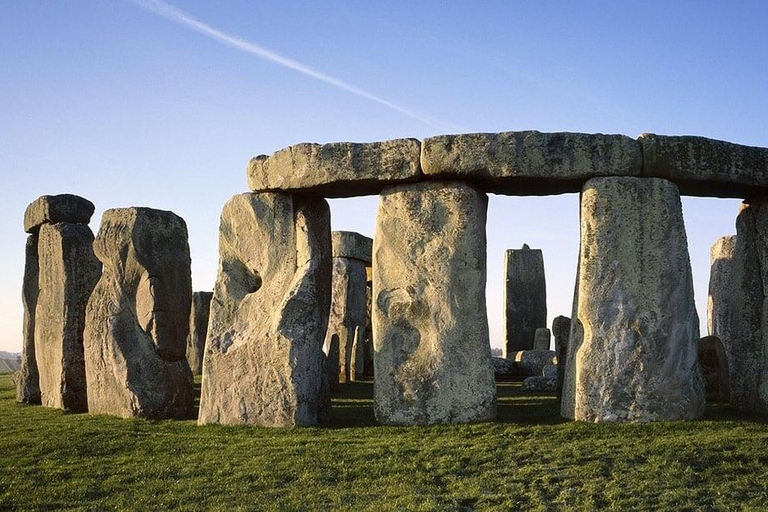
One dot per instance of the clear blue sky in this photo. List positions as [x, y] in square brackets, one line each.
[114, 102]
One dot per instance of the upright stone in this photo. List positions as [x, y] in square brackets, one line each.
[27, 378]
[525, 298]
[263, 359]
[542, 339]
[68, 272]
[635, 333]
[714, 369]
[561, 328]
[368, 350]
[198, 329]
[138, 317]
[720, 307]
[432, 350]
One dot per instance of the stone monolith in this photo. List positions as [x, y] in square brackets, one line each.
[634, 336]
[263, 362]
[432, 350]
[720, 307]
[542, 338]
[198, 329]
[714, 369]
[138, 317]
[68, 272]
[525, 298]
[561, 329]
[27, 379]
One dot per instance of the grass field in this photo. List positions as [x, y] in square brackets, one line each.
[529, 459]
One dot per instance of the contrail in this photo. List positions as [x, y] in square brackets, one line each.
[176, 15]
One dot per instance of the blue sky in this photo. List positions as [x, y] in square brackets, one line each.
[108, 100]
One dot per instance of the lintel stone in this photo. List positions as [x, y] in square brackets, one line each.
[348, 244]
[55, 209]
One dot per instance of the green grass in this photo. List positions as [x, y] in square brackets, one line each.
[529, 459]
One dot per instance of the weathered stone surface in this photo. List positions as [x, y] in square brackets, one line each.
[714, 369]
[550, 371]
[333, 361]
[263, 359]
[634, 335]
[68, 272]
[137, 320]
[348, 244]
[531, 363]
[706, 167]
[27, 379]
[338, 169]
[347, 317]
[368, 351]
[433, 355]
[540, 384]
[198, 329]
[719, 303]
[561, 328]
[54, 209]
[504, 368]
[530, 162]
[542, 339]
[525, 298]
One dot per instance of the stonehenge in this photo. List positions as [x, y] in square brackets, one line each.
[137, 320]
[263, 362]
[542, 338]
[525, 298]
[349, 305]
[561, 329]
[198, 330]
[634, 335]
[432, 349]
[27, 379]
[714, 369]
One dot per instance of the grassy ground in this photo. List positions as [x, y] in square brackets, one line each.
[529, 459]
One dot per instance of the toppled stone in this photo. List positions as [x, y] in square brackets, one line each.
[550, 371]
[542, 338]
[27, 379]
[58, 208]
[633, 345]
[347, 317]
[525, 298]
[531, 363]
[504, 368]
[338, 169]
[68, 272]
[540, 384]
[348, 244]
[198, 329]
[264, 363]
[433, 355]
[530, 162]
[561, 328]
[706, 167]
[137, 320]
[714, 369]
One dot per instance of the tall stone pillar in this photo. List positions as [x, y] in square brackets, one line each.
[432, 350]
[351, 256]
[264, 362]
[634, 335]
[198, 329]
[27, 378]
[525, 298]
[68, 271]
[561, 329]
[137, 320]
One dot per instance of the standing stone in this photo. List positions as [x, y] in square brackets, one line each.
[561, 328]
[263, 359]
[432, 350]
[138, 317]
[634, 337]
[714, 369]
[720, 307]
[332, 362]
[198, 329]
[27, 378]
[525, 297]
[368, 350]
[542, 339]
[68, 272]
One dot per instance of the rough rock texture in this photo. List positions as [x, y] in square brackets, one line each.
[368, 350]
[433, 355]
[530, 162]
[338, 169]
[27, 379]
[561, 329]
[720, 309]
[525, 298]
[531, 363]
[68, 272]
[198, 329]
[348, 244]
[333, 361]
[504, 368]
[540, 384]
[55, 209]
[746, 336]
[138, 317]
[550, 371]
[542, 338]
[714, 369]
[634, 336]
[347, 317]
[706, 167]
[263, 359]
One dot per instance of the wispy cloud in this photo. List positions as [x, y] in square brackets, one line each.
[176, 15]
